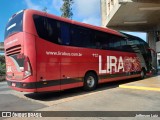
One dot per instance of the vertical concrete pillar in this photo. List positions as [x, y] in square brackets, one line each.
[103, 12]
[1, 47]
[151, 39]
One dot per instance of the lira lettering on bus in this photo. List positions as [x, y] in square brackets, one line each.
[111, 64]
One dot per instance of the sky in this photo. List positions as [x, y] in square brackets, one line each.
[87, 11]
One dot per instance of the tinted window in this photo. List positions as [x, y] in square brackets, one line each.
[48, 29]
[80, 37]
[65, 33]
[100, 40]
[14, 25]
[110, 42]
[51, 30]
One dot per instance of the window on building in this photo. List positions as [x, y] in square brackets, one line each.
[109, 6]
[112, 2]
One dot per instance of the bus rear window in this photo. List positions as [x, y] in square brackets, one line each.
[14, 25]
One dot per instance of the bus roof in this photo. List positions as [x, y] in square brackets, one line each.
[107, 30]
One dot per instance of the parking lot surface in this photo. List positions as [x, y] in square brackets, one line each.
[107, 97]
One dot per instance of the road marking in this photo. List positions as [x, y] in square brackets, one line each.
[139, 88]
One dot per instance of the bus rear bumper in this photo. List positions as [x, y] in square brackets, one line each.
[22, 86]
[32, 86]
[23, 90]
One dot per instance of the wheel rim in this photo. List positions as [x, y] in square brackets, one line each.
[90, 81]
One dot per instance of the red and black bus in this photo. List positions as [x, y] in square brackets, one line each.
[45, 52]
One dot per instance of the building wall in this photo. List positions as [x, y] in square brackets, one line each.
[158, 46]
[1, 46]
[158, 61]
[151, 39]
[113, 16]
[109, 8]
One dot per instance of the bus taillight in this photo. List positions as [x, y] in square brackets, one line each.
[27, 68]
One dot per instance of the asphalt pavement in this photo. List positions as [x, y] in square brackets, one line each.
[107, 97]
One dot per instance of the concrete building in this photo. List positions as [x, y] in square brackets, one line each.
[1, 47]
[134, 15]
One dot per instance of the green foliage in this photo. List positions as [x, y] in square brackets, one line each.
[2, 65]
[66, 9]
[44, 9]
[2, 59]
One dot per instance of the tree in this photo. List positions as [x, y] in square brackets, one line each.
[44, 9]
[2, 59]
[2, 69]
[66, 9]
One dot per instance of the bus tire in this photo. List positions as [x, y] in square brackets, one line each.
[90, 81]
[143, 74]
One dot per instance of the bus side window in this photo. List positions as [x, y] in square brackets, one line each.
[47, 28]
[40, 23]
[75, 36]
[80, 37]
[100, 39]
[53, 31]
[111, 44]
[65, 33]
[123, 44]
[86, 38]
[128, 47]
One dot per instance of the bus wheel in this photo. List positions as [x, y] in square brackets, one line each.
[90, 81]
[143, 74]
